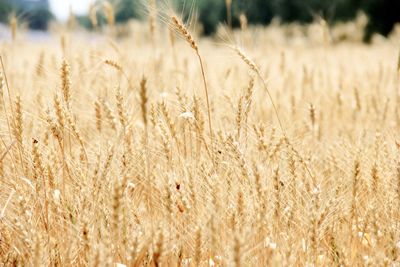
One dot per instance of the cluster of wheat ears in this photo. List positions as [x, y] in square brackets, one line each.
[144, 152]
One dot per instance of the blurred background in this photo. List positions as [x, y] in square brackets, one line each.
[38, 14]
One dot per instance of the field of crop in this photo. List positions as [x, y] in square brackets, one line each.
[274, 146]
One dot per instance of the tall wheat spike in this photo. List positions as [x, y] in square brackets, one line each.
[180, 27]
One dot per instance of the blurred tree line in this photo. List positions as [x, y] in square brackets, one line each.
[383, 14]
[35, 12]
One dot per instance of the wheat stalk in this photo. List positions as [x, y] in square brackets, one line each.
[180, 27]
[109, 13]
[255, 68]
[93, 15]
[13, 25]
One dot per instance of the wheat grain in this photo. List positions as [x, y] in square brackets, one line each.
[113, 64]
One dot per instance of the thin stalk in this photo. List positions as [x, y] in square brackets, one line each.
[207, 99]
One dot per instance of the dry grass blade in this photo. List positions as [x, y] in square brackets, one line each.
[7, 150]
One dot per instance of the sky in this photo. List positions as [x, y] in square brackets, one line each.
[60, 8]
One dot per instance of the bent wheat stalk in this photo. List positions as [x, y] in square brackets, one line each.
[180, 27]
[254, 68]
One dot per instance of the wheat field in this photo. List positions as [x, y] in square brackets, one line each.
[122, 151]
